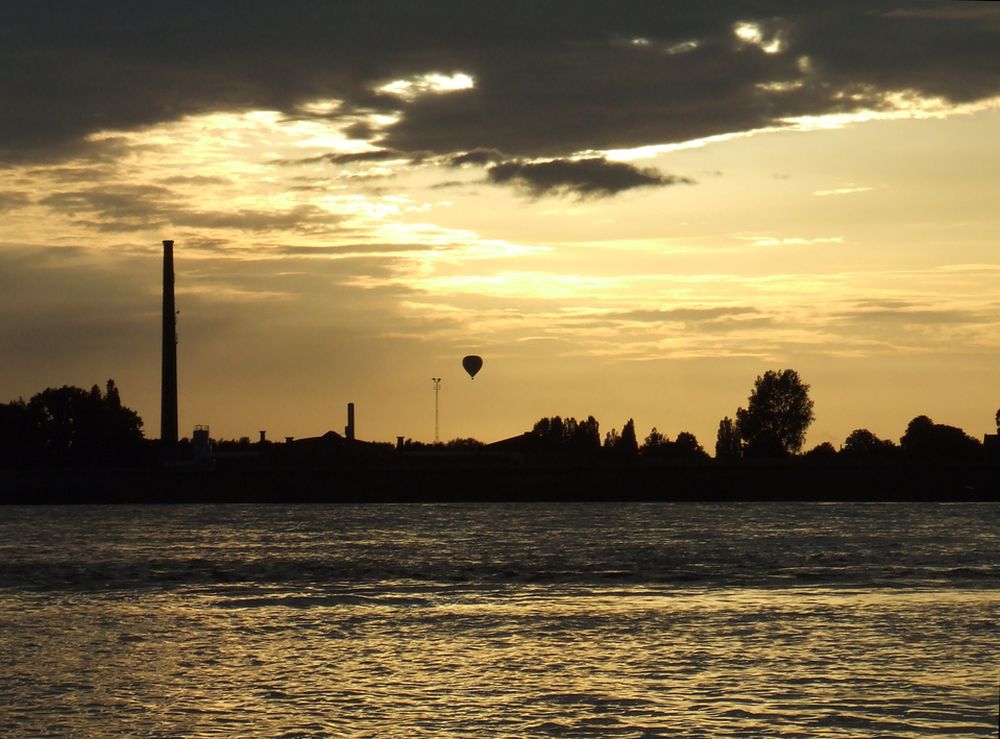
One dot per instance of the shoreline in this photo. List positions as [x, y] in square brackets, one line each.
[688, 483]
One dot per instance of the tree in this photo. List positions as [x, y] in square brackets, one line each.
[917, 435]
[623, 445]
[926, 440]
[569, 433]
[863, 443]
[821, 452]
[465, 444]
[656, 446]
[587, 435]
[73, 426]
[628, 445]
[728, 446]
[777, 415]
[654, 441]
[112, 397]
[549, 429]
[687, 447]
[19, 439]
[998, 420]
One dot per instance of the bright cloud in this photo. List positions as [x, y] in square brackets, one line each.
[431, 83]
[753, 33]
[848, 190]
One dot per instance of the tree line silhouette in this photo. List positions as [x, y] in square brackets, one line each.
[773, 425]
[73, 427]
[70, 426]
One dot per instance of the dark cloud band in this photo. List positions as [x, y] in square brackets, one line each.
[595, 177]
[550, 79]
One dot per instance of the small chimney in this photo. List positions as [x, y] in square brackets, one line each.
[263, 436]
[349, 429]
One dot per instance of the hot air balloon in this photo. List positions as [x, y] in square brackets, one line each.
[472, 364]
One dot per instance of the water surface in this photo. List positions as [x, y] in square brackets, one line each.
[635, 620]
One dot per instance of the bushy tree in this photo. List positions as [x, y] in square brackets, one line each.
[70, 425]
[918, 431]
[998, 420]
[684, 447]
[728, 446]
[820, 452]
[863, 443]
[687, 446]
[926, 440]
[777, 415]
[655, 440]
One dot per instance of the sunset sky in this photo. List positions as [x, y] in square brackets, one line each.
[628, 209]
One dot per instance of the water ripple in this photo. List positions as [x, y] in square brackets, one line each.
[596, 621]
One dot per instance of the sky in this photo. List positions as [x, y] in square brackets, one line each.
[628, 209]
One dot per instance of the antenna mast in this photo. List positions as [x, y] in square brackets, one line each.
[437, 417]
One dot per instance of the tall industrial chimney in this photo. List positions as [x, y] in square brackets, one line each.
[168, 383]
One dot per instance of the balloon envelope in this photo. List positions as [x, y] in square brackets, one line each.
[472, 364]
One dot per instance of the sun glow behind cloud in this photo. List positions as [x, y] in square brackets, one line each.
[432, 83]
[753, 33]
[897, 105]
[272, 165]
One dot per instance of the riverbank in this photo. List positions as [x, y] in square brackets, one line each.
[704, 482]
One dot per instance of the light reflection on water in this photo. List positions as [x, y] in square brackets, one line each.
[638, 621]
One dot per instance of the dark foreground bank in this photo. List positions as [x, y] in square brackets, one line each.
[375, 485]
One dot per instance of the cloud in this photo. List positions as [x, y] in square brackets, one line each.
[914, 316]
[196, 180]
[13, 200]
[670, 322]
[596, 177]
[849, 190]
[982, 12]
[534, 80]
[480, 156]
[791, 240]
[142, 207]
[684, 314]
[300, 218]
[375, 155]
[448, 184]
[353, 249]
[114, 208]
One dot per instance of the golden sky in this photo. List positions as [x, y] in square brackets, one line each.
[635, 251]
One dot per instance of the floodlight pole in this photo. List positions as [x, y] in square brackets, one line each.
[437, 424]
